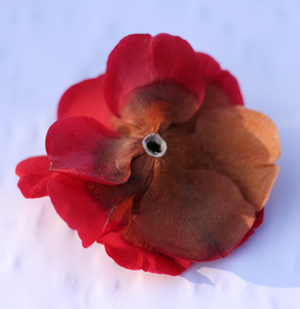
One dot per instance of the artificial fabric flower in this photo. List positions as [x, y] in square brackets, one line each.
[157, 159]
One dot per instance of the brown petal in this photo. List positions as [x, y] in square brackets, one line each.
[241, 144]
[195, 215]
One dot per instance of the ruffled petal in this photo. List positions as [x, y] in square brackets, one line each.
[82, 147]
[86, 99]
[34, 175]
[221, 88]
[147, 259]
[86, 206]
[141, 60]
[194, 215]
[210, 68]
[94, 209]
[241, 144]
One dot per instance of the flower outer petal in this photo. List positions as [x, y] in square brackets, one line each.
[141, 60]
[82, 147]
[135, 257]
[34, 175]
[94, 209]
[221, 91]
[241, 144]
[86, 99]
[194, 215]
[85, 206]
[221, 88]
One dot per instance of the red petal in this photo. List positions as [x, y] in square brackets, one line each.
[82, 147]
[140, 60]
[210, 68]
[86, 99]
[85, 206]
[94, 209]
[34, 176]
[196, 215]
[221, 87]
[135, 258]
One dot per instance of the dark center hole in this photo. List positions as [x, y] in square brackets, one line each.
[154, 147]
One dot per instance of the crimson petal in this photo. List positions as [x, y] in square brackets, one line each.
[86, 206]
[135, 258]
[197, 215]
[86, 99]
[34, 175]
[82, 147]
[221, 88]
[141, 60]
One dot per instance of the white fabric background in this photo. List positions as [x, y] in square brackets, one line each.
[46, 46]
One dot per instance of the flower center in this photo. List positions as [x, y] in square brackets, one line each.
[154, 145]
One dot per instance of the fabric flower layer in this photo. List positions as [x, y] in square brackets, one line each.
[157, 159]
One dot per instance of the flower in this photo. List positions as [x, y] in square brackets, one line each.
[157, 159]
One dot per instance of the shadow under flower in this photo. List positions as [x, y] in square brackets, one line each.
[193, 275]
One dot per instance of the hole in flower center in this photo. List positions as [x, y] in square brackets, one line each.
[154, 145]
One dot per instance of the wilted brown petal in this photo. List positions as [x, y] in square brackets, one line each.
[195, 215]
[239, 143]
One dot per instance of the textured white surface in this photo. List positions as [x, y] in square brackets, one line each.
[47, 46]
